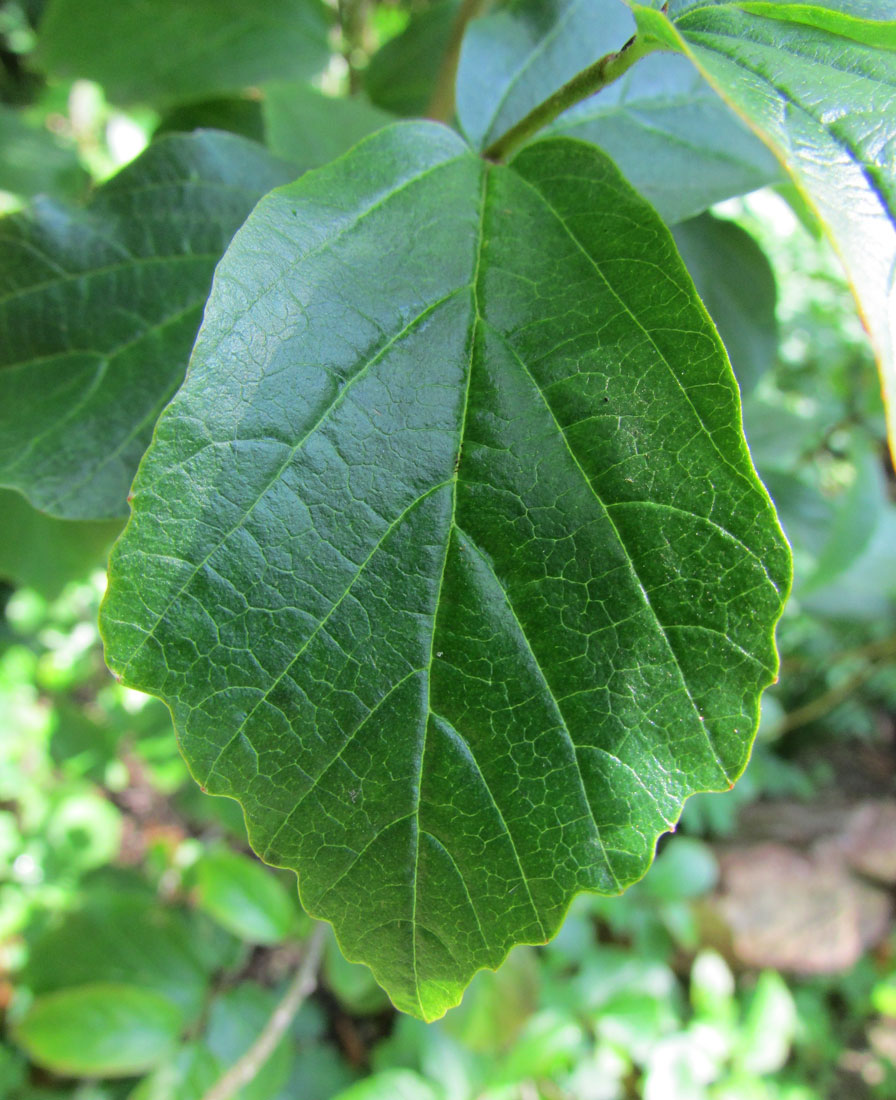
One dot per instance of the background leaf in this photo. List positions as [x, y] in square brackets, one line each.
[735, 281]
[426, 554]
[100, 1030]
[816, 84]
[167, 51]
[99, 309]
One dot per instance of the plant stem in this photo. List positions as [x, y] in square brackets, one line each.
[582, 85]
[247, 1067]
[441, 104]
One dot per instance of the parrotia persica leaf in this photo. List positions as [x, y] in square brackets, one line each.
[670, 134]
[99, 308]
[819, 85]
[171, 51]
[448, 556]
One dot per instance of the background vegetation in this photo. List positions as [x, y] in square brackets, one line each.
[143, 948]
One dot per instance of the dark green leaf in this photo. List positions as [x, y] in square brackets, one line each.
[45, 553]
[311, 129]
[168, 51]
[439, 552]
[401, 75]
[664, 126]
[244, 897]
[100, 1030]
[737, 285]
[819, 85]
[98, 311]
[236, 115]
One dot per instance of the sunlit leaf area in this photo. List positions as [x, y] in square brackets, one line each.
[144, 945]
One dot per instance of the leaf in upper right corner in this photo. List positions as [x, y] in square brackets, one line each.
[662, 123]
[818, 84]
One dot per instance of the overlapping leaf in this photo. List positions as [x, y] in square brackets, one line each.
[818, 82]
[98, 311]
[448, 556]
[671, 135]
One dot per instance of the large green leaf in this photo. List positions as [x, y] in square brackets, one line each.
[818, 83]
[98, 311]
[663, 125]
[449, 557]
[167, 51]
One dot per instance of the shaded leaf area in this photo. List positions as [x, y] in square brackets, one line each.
[819, 85]
[438, 552]
[667, 130]
[46, 553]
[402, 73]
[99, 307]
[737, 286]
[310, 128]
[166, 51]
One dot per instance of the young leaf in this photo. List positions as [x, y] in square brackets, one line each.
[663, 125]
[168, 51]
[244, 897]
[818, 84]
[440, 550]
[100, 1030]
[98, 311]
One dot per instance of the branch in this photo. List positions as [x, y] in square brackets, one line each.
[441, 104]
[246, 1068]
[582, 85]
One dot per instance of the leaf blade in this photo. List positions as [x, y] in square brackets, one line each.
[470, 766]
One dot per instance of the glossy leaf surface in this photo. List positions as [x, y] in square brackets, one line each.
[168, 51]
[99, 308]
[667, 130]
[818, 83]
[438, 553]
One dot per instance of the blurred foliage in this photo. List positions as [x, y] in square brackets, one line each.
[142, 947]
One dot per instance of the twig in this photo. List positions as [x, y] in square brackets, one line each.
[582, 85]
[246, 1068]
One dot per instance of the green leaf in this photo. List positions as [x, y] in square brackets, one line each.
[168, 51]
[35, 160]
[98, 311]
[128, 940]
[45, 553]
[311, 129]
[817, 84]
[402, 73]
[235, 114]
[737, 285]
[391, 1084]
[99, 1030]
[244, 897]
[666, 129]
[438, 553]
